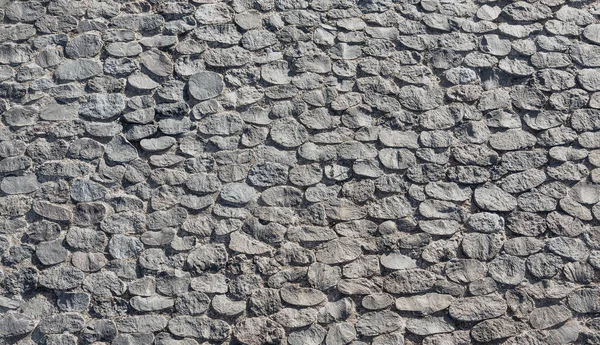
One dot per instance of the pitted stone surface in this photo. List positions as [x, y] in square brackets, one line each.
[303, 172]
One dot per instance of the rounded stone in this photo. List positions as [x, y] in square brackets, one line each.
[205, 85]
[237, 193]
[288, 133]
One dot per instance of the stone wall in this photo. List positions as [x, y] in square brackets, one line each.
[299, 172]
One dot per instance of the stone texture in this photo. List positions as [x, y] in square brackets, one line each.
[299, 172]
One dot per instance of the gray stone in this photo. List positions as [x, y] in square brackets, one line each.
[59, 323]
[313, 335]
[235, 56]
[122, 247]
[415, 98]
[124, 49]
[264, 302]
[546, 317]
[267, 174]
[103, 106]
[210, 283]
[203, 183]
[338, 251]
[409, 281]
[491, 198]
[425, 304]
[157, 62]
[13, 324]
[142, 323]
[258, 331]
[522, 181]
[507, 269]
[227, 307]
[526, 224]
[52, 211]
[397, 261]
[242, 243]
[376, 323]
[237, 193]
[485, 222]
[301, 296]
[584, 300]
[205, 85]
[86, 191]
[377, 301]
[226, 123]
[588, 79]
[490, 330]
[523, 246]
[51, 252]
[592, 33]
[465, 270]
[336, 311]
[208, 257]
[322, 276]
[99, 330]
[294, 318]
[84, 45]
[134, 339]
[20, 184]
[430, 325]
[276, 72]
[570, 248]
[258, 39]
[169, 218]
[478, 308]
[513, 139]
[275, 172]
[77, 70]
[61, 277]
[120, 150]
[288, 133]
[585, 54]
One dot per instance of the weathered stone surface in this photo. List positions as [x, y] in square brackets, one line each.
[299, 172]
[51, 252]
[258, 331]
[84, 45]
[103, 106]
[478, 308]
[77, 70]
[339, 251]
[549, 316]
[430, 325]
[425, 304]
[409, 281]
[13, 324]
[205, 85]
[465, 270]
[142, 323]
[157, 62]
[375, 323]
[494, 329]
[288, 133]
[301, 296]
[199, 327]
[397, 261]
[19, 184]
[415, 98]
[507, 269]
[62, 277]
[491, 198]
